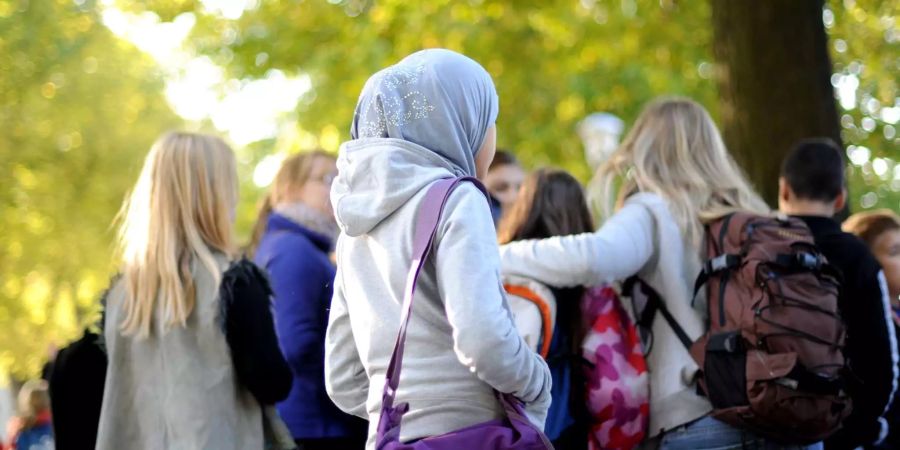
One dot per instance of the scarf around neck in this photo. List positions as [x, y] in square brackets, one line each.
[309, 218]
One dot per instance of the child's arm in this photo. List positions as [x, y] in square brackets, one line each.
[617, 251]
[345, 377]
[485, 338]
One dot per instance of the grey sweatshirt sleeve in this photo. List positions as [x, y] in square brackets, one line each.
[345, 378]
[617, 251]
[484, 335]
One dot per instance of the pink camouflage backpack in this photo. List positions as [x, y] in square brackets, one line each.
[615, 373]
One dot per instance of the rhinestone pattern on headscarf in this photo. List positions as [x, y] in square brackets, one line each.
[438, 99]
[396, 111]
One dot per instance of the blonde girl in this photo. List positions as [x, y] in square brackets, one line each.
[191, 345]
[674, 174]
[32, 429]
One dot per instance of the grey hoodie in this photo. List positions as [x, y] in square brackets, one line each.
[461, 341]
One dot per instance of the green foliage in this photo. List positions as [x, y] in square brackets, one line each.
[553, 61]
[865, 46]
[79, 109]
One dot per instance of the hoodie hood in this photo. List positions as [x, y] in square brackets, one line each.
[377, 176]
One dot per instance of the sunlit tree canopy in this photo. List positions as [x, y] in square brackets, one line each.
[79, 109]
[87, 85]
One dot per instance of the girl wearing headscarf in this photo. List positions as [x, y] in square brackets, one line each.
[429, 117]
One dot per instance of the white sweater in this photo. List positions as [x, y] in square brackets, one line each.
[644, 239]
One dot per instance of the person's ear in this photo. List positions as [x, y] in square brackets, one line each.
[841, 200]
[785, 194]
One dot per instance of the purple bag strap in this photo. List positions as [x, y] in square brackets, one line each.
[427, 220]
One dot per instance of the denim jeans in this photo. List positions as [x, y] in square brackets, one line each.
[710, 434]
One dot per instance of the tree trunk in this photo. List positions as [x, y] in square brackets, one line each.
[774, 82]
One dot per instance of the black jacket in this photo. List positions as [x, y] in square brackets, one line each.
[249, 328]
[76, 392]
[871, 347]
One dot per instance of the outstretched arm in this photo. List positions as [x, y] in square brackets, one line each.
[617, 251]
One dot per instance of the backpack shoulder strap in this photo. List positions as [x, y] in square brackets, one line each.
[426, 226]
[718, 260]
[655, 304]
[542, 306]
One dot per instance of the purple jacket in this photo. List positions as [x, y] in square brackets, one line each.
[301, 273]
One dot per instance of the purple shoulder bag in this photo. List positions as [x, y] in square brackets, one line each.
[513, 432]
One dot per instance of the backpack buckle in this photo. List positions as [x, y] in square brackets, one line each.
[721, 262]
[812, 261]
[808, 260]
[789, 383]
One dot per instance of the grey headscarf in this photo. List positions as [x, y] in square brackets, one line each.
[436, 98]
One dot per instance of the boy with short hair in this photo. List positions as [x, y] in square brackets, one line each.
[811, 188]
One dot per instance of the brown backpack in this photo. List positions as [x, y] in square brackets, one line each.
[771, 361]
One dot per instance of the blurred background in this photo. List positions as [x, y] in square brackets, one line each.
[86, 86]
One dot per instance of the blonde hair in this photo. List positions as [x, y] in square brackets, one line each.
[295, 171]
[34, 398]
[180, 211]
[675, 151]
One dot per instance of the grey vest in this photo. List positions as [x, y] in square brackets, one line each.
[176, 389]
